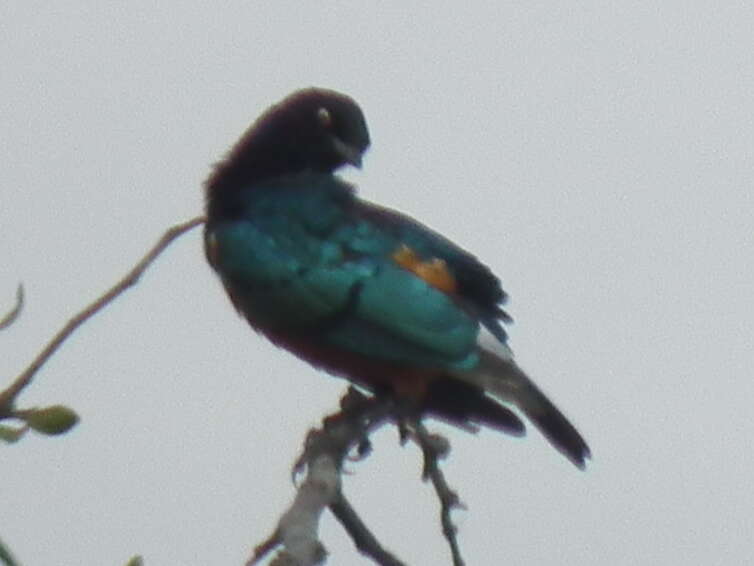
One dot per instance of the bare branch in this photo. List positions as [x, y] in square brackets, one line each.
[8, 396]
[11, 317]
[324, 453]
[298, 527]
[362, 537]
[434, 447]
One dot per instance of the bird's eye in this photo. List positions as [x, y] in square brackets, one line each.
[324, 117]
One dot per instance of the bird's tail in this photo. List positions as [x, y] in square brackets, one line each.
[502, 379]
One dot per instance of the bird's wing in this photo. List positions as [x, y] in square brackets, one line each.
[496, 372]
[312, 263]
[476, 284]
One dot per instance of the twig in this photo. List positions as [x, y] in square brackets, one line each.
[434, 448]
[11, 317]
[297, 529]
[362, 537]
[8, 396]
[324, 453]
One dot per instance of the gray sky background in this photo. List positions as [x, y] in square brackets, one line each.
[598, 156]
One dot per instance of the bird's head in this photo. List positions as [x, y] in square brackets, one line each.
[313, 129]
[318, 128]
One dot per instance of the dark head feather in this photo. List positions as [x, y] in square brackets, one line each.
[313, 129]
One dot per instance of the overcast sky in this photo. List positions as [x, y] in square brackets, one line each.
[599, 157]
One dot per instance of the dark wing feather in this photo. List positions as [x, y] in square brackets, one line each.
[477, 285]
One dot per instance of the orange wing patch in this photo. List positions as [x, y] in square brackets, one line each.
[434, 271]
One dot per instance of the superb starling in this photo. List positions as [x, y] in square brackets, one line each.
[362, 291]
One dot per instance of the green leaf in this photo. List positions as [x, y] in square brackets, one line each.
[135, 561]
[11, 434]
[56, 419]
[6, 557]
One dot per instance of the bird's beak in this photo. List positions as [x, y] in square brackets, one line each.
[349, 153]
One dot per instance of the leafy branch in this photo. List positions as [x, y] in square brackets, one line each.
[58, 419]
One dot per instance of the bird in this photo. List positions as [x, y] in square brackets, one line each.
[358, 290]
